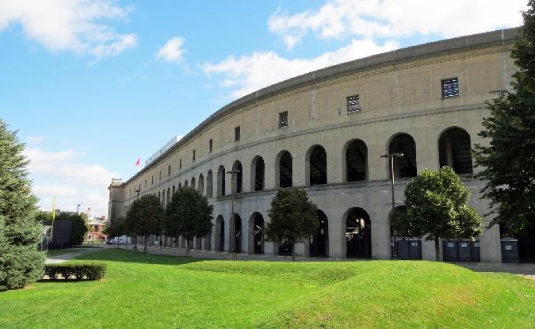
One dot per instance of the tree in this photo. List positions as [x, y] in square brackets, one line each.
[293, 217]
[145, 217]
[79, 227]
[436, 206]
[116, 229]
[509, 161]
[188, 215]
[20, 261]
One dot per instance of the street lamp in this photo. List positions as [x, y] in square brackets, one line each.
[232, 226]
[135, 241]
[391, 157]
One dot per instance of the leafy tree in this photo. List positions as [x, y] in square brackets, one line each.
[293, 217]
[20, 261]
[436, 206]
[79, 226]
[116, 229]
[188, 215]
[509, 161]
[145, 217]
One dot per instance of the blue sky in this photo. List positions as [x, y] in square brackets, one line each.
[93, 85]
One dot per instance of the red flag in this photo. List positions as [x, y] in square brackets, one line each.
[138, 162]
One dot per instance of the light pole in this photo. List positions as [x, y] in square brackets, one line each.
[135, 238]
[232, 237]
[78, 209]
[391, 157]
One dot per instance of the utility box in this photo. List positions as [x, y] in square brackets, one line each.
[509, 250]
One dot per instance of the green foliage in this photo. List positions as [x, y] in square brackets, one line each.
[293, 217]
[145, 217]
[509, 161]
[436, 206]
[43, 216]
[188, 214]
[79, 227]
[20, 261]
[76, 271]
[117, 228]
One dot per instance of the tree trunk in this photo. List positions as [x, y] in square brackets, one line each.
[187, 247]
[293, 252]
[135, 243]
[437, 250]
[145, 246]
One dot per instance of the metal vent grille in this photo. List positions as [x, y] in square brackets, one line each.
[450, 88]
[353, 104]
[283, 119]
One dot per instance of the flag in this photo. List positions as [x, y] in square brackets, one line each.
[138, 162]
[53, 218]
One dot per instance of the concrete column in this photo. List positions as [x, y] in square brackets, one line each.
[298, 168]
[490, 245]
[334, 162]
[336, 233]
[380, 232]
[428, 250]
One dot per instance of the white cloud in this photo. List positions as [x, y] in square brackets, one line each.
[64, 176]
[69, 25]
[172, 51]
[395, 18]
[249, 73]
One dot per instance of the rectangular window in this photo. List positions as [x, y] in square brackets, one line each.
[145, 183]
[169, 171]
[193, 155]
[450, 88]
[180, 164]
[152, 180]
[237, 134]
[160, 175]
[353, 104]
[211, 146]
[283, 119]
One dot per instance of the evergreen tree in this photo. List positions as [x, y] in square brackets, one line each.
[20, 261]
[145, 218]
[293, 217]
[188, 215]
[436, 206]
[509, 161]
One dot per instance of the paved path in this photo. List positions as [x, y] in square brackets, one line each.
[526, 270]
[57, 259]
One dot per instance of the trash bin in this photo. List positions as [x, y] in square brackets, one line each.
[509, 250]
[476, 254]
[450, 250]
[464, 249]
[415, 248]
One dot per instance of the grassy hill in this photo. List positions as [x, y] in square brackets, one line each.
[149, 291]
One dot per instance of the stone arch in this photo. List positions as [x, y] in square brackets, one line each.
[283, 169]
[355, 161]
[319, 242]
[193, 183]
[258, 169]
[221, 181]
[455, 150]
[237, 177]
[256, 233]
[404, 166]
[209, 185]
[358, 233]
[236, 234]
[200, 185]
[219, 234]
[186, 183]
[316, 166]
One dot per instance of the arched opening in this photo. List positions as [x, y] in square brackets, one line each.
[356, 161]
[258, 168]
[404, 166]
[283, 169]
[316, 165]
[221, 181]
[256, 233]
[163, 199]
[186, 183]
[209, 186]
[193, 183]
[168, 194]
[208, 242]
[358, 234]
[220, 234]
[179, 185]
[237, 234]
[174, 190]
[319, 242]
[455, 150]
[200, 186]
[237, 174]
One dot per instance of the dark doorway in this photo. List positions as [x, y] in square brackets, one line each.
[285, 249]
[358, 234]
[519, 247]
[220, 234]
[319, 242]
[221, 181]
[285, 169]
[258, 169]
[258, 233]
[455, 150]
[356, 161]
[404, 166]
[237, 181]
[317, 162]
[237, 234]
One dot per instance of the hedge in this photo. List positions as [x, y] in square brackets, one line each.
[93, 271]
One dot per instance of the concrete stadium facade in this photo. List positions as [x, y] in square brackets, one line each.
[326, 131]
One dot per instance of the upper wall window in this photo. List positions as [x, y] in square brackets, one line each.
[160, 175]
[450, 88]
[145, 183]
[193, 155]
[283, 119]
[353, 104]
[237, 134]
[152, 180]
[169, 171]
[210, 145]
[180, 164]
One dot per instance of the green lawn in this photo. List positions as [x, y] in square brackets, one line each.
[149, 291]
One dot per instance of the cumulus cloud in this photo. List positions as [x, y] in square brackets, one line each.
[69, 25]
[172, 51]
[249, 73]
[394, 18]
[64, 176]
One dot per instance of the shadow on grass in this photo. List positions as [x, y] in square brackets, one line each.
[128, 256]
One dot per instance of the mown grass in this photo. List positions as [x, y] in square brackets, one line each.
[149, 291]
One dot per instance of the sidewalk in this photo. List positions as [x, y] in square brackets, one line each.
[58, 259]
[526, 270]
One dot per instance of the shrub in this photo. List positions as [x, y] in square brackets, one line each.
[93, 271]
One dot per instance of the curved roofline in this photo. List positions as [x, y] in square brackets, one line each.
[427, 50]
